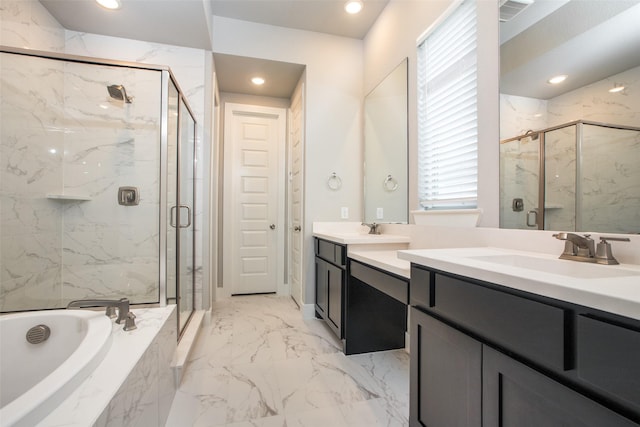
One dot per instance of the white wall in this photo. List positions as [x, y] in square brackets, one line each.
[333, 134]
[394, 36]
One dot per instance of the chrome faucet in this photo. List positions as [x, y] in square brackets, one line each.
[122, 305]
[577, 248]
[373, 227]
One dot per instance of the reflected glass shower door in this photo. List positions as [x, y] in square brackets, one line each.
[560, 178]
[519, 183]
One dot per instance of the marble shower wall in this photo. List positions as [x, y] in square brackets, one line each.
[27, 24]
[66, 148]
[611, 196]
[31, 150]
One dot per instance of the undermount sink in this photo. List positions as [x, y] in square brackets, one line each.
[576, 269]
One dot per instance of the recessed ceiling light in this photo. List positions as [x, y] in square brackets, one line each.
[257, 81]
[353, 6]
[557, 79]
[110, 4]
[616, 88]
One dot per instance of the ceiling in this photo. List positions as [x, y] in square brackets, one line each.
[322, 16]
[586, 40]
[234, 75]
[188, 23]
[533, 48]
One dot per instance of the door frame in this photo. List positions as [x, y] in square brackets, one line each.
[292, 235]
[280, 114]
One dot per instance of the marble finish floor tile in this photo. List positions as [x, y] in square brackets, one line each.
[257, 363]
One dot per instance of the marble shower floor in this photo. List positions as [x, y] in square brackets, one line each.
[257, 363]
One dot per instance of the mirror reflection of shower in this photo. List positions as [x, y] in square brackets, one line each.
[118, 92]
[578, 176]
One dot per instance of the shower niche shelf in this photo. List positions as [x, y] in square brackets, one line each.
[68, 197]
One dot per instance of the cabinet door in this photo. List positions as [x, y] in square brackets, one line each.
[335, 280]
[322, 282]
[446, 369]
[515, 395]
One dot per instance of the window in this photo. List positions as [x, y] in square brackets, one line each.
[447, 113]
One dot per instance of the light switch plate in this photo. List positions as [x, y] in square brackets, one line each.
[344, 213]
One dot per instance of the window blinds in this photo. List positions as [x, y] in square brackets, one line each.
[447, 113]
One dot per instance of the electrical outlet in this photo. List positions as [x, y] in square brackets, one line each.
[344, 213]
[380, 213]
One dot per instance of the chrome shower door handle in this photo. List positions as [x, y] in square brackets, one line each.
[535, 216]
[188, 216]
[172, 218]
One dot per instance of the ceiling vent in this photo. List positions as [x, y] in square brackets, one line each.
[510, 8]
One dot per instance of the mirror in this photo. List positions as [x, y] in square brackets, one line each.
[570, 152]
[385, 150]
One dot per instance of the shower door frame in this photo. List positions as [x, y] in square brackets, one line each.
[166, 77]
[579, 124]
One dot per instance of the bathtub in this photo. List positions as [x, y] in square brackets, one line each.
[36, 378]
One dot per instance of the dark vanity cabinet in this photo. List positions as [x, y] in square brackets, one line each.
[331, 261]
[364, 306]
[375, 310]
[488, 355]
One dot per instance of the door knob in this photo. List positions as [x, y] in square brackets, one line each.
[272, 226]
[297, 228]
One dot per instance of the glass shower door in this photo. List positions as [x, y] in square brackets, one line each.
[185, 217]
[180, 200]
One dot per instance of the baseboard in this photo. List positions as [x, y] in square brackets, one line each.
[284, 289]
[308, 311]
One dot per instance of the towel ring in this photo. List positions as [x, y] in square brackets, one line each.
[390, 184]
[334, 182]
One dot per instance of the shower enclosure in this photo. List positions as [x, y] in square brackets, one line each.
[96, 183]
[577, 176]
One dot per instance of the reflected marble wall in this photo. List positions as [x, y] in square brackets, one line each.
[613, 162]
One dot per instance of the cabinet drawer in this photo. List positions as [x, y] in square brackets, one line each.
[609, 358]
[331, 252]
[529, 328]
[420, 287]
[390, 285]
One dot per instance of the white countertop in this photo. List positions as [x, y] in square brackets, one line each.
[618, 294]
[347, 238]
[383, 259]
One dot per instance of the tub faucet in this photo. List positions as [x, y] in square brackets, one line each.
[122, 305]
[576, 247]
[373, 227]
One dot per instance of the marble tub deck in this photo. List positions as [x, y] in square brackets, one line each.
[257, 363]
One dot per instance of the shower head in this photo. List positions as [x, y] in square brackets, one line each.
[119, 92]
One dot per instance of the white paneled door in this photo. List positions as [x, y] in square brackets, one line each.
[253, 202]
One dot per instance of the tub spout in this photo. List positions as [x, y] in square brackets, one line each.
[122, 305]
